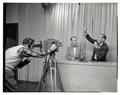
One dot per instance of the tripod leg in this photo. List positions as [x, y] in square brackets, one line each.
[55, 79]
[59, 79]
[42, 83]
[51, 78]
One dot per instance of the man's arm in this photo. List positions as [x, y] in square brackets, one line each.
[24, 62]
[24, 52]
[90, 39]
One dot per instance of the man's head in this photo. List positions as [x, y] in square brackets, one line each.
[73, 41]
[101, 38]
[29, 42]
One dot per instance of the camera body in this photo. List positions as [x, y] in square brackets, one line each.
[46, 44]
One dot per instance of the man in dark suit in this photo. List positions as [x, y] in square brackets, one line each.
[74, 51]
[100, 47]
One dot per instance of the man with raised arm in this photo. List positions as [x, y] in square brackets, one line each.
[100, 47]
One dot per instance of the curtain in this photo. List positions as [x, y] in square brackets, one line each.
[63, 20]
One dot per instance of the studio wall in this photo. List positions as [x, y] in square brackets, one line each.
[11, 13]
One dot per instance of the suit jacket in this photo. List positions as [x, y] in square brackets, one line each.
[70, 53]
[100, 52]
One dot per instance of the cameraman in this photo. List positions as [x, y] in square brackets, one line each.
[18, 56]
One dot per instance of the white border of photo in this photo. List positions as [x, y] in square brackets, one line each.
[53, 1]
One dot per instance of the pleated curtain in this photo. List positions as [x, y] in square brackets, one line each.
[63, 20]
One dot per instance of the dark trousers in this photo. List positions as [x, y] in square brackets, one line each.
[10, 82]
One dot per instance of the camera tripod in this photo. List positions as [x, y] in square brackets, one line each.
[50, 66]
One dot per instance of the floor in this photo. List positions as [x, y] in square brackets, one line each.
[25, 86]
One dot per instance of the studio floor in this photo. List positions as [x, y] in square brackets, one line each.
[25, 86]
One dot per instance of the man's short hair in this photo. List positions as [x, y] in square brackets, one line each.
[73, 37]
[28, 41]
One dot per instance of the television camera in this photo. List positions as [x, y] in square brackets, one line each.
[47, 44]
[50, 65]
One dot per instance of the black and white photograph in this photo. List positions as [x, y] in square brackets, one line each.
[60, 47]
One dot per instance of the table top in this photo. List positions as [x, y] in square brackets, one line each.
[90, 63]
